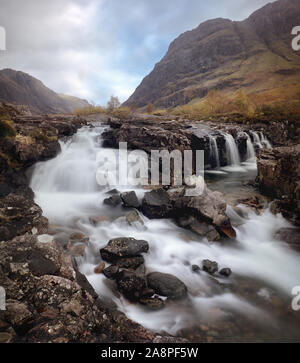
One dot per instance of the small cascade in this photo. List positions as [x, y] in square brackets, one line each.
[256, 139]
[251, 155]
[265, 142]
[232, 151]
[214, 151]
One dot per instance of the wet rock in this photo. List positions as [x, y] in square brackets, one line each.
[226, 272]
[203, 229]
[157, 204]
[209, 207]
[291, 236]
[123, 247]
[131, 285]
[130, 262]
[97, 220]
[196, 268]
[154, 303]
[77, 236]
[167, 285]
[77, 250]
[210, 266]
[130, 200]
[99, 268]
[111, 272]
[133, 217]
[113, 200]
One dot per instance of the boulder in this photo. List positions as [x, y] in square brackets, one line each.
[130, 200]
[209, 207]
[157, 204]
[203, 229]
[133, 217]
[167, 285]
[113, 200]
[123, 247]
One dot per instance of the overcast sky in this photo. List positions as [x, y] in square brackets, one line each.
[95, 48]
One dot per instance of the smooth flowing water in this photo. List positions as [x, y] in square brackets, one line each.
[254, 304]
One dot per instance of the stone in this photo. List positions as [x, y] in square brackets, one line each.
[157, 204]
[111, 272]
[203, 229]
[123, 247]
[99, 268]
[131, 285]
[196, 268]
[154, 303]
[167, 285]
[113, 200]
[133, 217]
[210, 266]
[130, 262]
[97, 220]
[130, 200]
[226, 272]
[291, 236]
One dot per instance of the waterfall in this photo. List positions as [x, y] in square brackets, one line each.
[214, 151]
[65, 187]
[251, 155]
[232, 151]
[265, 142]
[256, 139]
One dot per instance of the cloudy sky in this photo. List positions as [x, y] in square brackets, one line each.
[95, 48]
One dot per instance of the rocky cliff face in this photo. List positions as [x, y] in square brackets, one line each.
[254, 55]
[21, 89]
[279, 177]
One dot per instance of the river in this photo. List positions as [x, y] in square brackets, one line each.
[254, 304]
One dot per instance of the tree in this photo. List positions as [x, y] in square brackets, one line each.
[113, 103]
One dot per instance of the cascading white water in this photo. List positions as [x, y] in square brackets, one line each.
[251, 155]
[264, 141]
[215, 151]
[256, 139]
[66, 189]
[232, 150]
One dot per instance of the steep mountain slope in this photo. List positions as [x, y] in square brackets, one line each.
[254, 55]
[22, 89]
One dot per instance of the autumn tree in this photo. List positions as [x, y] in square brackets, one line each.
[113, 103]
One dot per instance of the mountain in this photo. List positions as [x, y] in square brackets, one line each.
[254, 55]
[22, 89]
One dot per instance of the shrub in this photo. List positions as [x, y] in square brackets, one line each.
[89, 110]
[122, 113]
[6, 128]
[150, 108]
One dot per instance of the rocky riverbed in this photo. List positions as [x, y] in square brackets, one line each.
[158, 255]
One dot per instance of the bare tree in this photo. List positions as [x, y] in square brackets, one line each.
[113, 103]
